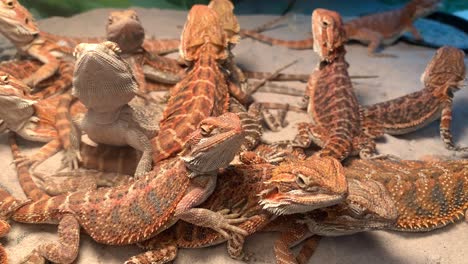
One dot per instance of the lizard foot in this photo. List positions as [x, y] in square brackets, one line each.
[71, 159]
[64, 182]
[26, 161]
[226, 221]
[222, 221]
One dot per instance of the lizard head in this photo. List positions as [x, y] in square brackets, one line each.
[203, 29]
[422, 8]
[102, 80]
[225, 11]
[125, 29]
[329, 33]
[368, 206]
[214, 144]
[305, 185]
[15, 108]
[446, 71]
[16, 23]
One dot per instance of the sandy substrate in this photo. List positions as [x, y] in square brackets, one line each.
[396, 77]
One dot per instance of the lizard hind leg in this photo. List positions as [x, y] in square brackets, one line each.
[63, 251]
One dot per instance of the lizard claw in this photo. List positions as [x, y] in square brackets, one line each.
[226, 222]
[25, 161]
[71, 159]
[34, 119]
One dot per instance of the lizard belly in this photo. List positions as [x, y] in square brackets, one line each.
[111, 134]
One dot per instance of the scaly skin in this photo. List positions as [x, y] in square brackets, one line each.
[204, 91]
[44, 120]
[374, 30]
[443, 76]
[155, 204]
[18, 25]
[7, 205]
[404, 195]
[125, 29]
[258, 192]
[21, 69]
[332, 103]
[100, 72]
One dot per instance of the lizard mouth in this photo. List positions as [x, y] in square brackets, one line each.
[296, 201]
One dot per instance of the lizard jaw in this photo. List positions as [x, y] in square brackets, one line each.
[296, 201]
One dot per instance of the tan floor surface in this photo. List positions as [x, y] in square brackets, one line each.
[396, 77]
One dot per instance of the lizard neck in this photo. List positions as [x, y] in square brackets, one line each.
[338, 55]
[104, 118]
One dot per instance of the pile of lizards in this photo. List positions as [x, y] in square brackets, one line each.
[169, 153]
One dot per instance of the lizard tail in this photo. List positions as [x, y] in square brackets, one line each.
[29, 187]
[292, 44]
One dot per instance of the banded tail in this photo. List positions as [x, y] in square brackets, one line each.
[292, 44]
[30, 188]
[161, 46]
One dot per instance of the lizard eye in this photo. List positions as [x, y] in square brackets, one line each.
[325, 23]
[110, 20]
[26, 21]
[10, 3]
[206, 130]
[300, 180]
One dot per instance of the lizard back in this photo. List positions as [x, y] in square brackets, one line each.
[122, 215]
[334, 106]
[427, 194]
[202, 93]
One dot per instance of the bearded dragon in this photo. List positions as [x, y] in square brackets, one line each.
[266, 191]
[383, 202]
[153, 72]
[332, 103]
[44, 120]
[205, 91]
[100, 72]
[18, 25]
[374, 30]
[21, 69]
[443, 76]
[154, 205]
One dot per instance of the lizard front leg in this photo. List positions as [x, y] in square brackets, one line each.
[160, 76]
[445, 124]
[201, 188]
[140, 141]
[63, 251]
[45, 152]
[68, 132]
[50, 67]
[375, 40]
[250, 123]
